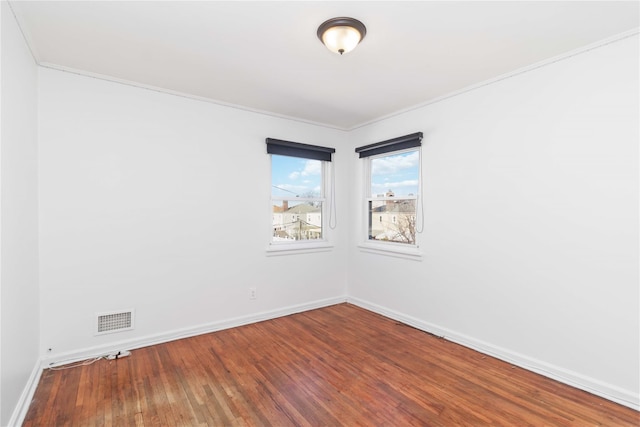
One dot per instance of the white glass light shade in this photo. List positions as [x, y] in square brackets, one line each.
[341, 39]
[341, 35]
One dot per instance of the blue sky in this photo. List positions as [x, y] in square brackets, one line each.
[293, 176]
[398, 173]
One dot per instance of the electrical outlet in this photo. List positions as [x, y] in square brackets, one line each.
[252, 293]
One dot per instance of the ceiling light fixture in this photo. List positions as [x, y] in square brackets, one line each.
[341, 35]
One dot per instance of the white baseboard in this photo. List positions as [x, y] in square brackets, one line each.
[20, 411]
[132, 344]
[574, 379]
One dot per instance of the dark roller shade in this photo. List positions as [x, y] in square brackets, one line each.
[296, 149]
[401, 143]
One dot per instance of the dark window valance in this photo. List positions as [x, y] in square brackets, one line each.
[296, 149]
[401, 143]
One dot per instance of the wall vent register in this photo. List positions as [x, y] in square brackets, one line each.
[115, 321]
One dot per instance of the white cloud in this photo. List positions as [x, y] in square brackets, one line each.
[395, 164]
[392, 185]
[311, 167]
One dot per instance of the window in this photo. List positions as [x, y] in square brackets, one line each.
[298, 192]
[392, 177]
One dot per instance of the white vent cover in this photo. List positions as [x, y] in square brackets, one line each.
[114, 321]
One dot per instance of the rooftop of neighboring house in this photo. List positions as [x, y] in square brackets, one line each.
[400, 206]
[303, 208]
[298, 209]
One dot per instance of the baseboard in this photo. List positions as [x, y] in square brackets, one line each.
[574, 379]
[132, 344]
[20, 411]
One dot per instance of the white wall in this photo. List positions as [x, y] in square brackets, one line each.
[19, 317]
[161, 204]
[531, 212]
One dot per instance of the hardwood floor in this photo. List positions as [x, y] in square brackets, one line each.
[339, 365]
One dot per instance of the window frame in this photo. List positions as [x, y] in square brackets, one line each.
[291, 149]
[406, 144]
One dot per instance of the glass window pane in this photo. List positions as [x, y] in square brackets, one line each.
[295, 177]
[295, 220]
[396, 175]
[393, 220]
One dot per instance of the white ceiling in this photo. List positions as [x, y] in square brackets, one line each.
[265, 55]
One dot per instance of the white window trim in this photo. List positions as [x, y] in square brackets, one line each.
[276, 249]
[393, 249]
[305, 246]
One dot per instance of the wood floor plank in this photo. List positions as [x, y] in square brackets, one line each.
[340, 365]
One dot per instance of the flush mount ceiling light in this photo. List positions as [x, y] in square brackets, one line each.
[341, 35]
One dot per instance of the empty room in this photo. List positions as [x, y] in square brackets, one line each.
[302, 213]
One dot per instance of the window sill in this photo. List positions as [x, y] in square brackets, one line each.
[412, 253]
[298, 248]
